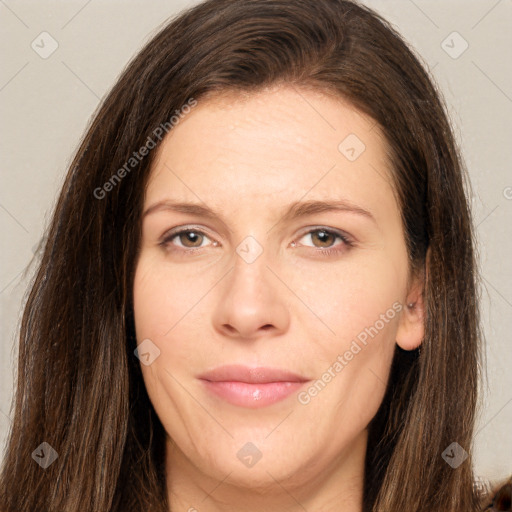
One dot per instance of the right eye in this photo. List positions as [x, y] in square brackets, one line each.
[190, 240]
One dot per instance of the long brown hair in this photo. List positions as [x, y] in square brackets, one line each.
[79, 385]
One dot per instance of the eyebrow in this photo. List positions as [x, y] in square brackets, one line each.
[295, 210]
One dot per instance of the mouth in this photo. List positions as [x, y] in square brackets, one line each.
[251, 387]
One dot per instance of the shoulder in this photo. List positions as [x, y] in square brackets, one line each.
[496, 497]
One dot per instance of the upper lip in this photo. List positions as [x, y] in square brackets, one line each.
[251, 375]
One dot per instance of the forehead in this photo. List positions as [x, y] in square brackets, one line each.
[277, 145]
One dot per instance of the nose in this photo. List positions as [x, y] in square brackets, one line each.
[252, 300]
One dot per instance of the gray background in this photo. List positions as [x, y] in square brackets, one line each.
[46, 103]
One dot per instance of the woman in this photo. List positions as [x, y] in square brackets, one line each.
[190, 343]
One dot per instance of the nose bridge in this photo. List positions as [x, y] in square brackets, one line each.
[258, 247]
[249, 272]
[250, 250]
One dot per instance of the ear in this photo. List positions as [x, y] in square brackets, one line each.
[411, 328]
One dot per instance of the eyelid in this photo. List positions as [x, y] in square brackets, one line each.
[338, 232]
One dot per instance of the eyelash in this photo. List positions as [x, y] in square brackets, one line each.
[330, 251]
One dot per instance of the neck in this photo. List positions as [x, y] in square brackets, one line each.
[335, 487]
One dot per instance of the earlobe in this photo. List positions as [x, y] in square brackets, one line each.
[411, 328]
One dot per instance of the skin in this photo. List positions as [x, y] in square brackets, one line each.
[247, 158]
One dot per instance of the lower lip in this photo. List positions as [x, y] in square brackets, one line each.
[252, 396]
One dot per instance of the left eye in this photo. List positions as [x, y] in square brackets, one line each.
[327, 236]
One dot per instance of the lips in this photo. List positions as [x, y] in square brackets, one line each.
[258, 375]
[251, 387]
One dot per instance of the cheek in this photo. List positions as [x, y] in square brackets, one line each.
[163, 311]
[343, 300]
[166, 306]
[162, 299]
[351, 379]
[359, 307]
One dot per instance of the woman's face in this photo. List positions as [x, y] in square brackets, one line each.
[268, 319]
